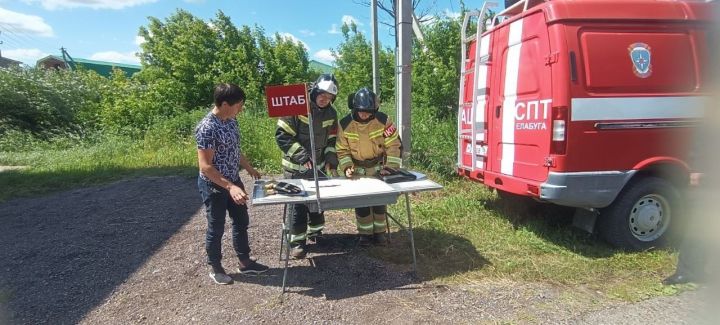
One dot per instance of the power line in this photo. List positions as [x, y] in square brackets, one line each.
[12, 30]
[20, 37]
[10, 37]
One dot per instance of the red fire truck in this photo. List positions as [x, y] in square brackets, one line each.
[588, 104]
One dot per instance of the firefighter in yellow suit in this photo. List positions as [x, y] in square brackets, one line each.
[367, 141]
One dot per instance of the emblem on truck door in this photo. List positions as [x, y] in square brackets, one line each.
[640, 57]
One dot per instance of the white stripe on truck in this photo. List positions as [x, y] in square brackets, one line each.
[482, 67]
[637, 108]
[511, 84]
[482, 90]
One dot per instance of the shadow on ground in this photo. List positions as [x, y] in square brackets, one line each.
[551, 222]
[61, 255]
[339, 269]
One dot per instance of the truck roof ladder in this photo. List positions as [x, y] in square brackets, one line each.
[466, 40]
[516, 8]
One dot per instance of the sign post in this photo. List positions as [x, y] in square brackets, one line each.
[290, 100]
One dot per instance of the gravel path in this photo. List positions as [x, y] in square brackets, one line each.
[132, 252]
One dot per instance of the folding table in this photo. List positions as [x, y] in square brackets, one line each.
[342, 193]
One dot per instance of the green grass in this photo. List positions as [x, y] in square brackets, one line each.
[463, 233]
[165, 149]
[112, 159]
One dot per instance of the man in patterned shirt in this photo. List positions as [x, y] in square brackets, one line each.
[220, 159]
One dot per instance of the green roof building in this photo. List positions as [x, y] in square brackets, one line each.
[103, 68]
[321, 67]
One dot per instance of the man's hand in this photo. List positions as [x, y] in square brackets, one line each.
[331, 170]
[254, 173]
[349, 171]
[308, 165]
[238, 195]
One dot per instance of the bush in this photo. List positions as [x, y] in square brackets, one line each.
[258, 140]
[130, 107]
[257, 133]
[433, 142]
[49, 103]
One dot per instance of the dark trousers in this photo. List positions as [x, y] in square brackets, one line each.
[217, 203]
[299, 215]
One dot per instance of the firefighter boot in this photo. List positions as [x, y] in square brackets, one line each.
[298, 251]
[315, 228]
[364, 219]
[379, 225]
[365, 240]
[380, 239]
[297, 246]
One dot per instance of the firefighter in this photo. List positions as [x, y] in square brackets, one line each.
[367, 142]
[293, 137]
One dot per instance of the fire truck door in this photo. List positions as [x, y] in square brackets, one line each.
[520, 112]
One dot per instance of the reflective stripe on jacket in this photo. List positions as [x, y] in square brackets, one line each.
[374, 141]
[292, 135]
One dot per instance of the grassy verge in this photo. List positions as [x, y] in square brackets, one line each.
[115, 158]
[463, 235]
[166, 149]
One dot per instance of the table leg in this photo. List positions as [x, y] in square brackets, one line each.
[410, 231]
[283, 231]
[286, 239]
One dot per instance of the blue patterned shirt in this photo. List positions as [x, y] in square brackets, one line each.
[224, 138]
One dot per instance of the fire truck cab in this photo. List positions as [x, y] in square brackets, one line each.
[589, 104]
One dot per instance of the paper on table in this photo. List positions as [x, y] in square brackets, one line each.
[348, 187]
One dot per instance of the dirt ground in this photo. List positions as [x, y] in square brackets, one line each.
[133, 252]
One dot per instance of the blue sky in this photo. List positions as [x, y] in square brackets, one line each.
[107, 29]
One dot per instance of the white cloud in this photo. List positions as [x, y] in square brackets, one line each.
[324, 56]
[347, 19]
[25, 24]
[117, 57]
[139, 40]
[306, 32]
[451, 14]
[334, 29]
[28, 56]
[94, 4]
[294, 39]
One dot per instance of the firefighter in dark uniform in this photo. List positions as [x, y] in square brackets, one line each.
[293, 138]
[368, 141]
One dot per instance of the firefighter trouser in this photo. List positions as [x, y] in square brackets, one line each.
[300, 228]
[371, 220]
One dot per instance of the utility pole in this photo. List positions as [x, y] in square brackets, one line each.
[403, 29]
[375, 63]
[69, 62]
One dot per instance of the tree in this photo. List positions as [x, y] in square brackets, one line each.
[196, 55]
[183, 48]
[353, 60]
[436, 76]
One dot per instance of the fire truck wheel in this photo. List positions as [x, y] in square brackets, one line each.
[641, 215]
